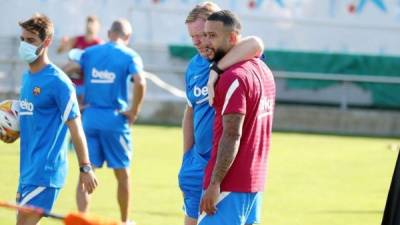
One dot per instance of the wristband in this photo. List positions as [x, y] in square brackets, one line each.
[214, 67]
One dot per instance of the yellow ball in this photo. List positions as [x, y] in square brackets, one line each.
[9, 118]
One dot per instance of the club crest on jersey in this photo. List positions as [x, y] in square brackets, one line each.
[36, 91]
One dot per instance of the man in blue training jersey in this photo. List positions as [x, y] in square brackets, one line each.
[48, 106]
[198, 117]
[106, 117]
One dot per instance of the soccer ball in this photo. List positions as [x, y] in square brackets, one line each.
[9, 118]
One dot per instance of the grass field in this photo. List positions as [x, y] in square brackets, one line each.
[313, 180]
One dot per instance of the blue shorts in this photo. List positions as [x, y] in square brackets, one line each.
[113, 147]
[234, 208]
[37, 196]
[191, 182]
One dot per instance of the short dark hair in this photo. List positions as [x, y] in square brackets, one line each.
[228, 18]
[40, 25]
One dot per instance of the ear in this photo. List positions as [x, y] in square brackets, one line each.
[126, 38]
[233, 38]
[47, 42]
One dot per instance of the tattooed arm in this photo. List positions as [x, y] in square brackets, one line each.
[227, 150]
[228, 146]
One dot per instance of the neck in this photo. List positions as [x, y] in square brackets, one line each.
[118, 41]
[39, 64]
[89, 36]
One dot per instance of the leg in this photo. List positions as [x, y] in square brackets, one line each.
[27, 219]
[123, 193]
[35, 196]
[190, 221]
[190, 178]
[191, 202]
[117, 152]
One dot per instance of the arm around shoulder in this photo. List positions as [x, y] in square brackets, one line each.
[248, 48]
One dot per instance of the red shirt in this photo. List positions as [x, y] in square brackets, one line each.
[246, 88]
[81, 43]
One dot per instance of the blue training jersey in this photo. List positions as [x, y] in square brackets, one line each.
[196, 79]
[108, 69]
[47, 101]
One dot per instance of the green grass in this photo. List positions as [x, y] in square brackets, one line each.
[313, 180]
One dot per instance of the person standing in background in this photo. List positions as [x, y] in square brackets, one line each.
[108, 115]
[90, 38]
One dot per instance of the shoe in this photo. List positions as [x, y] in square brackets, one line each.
[129, 222]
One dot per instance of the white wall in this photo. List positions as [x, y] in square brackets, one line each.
[309, 25]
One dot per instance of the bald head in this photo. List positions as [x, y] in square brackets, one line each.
[120, 29]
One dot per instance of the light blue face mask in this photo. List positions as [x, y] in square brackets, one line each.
[27, 52]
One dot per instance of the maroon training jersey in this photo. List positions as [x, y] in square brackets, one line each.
[81, 43]
[246, 88]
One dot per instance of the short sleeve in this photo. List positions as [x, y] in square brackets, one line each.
[66, 101]
[233, 95]
[135, 65]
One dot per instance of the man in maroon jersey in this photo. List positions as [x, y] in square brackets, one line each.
[90, 38]
[244, 104]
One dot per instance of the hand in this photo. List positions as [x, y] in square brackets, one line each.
[87, 181]
[210, 86]
[209, 199]
[8, 139]
[131, 115]
[63, 44]
[64, 39]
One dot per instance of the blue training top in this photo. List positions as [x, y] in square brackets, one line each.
[47, 101]
[196, 79]
[108, 68]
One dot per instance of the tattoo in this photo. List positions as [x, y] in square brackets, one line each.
[228, 146]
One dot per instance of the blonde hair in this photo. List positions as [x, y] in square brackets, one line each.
[40, 25]
[202, 11]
